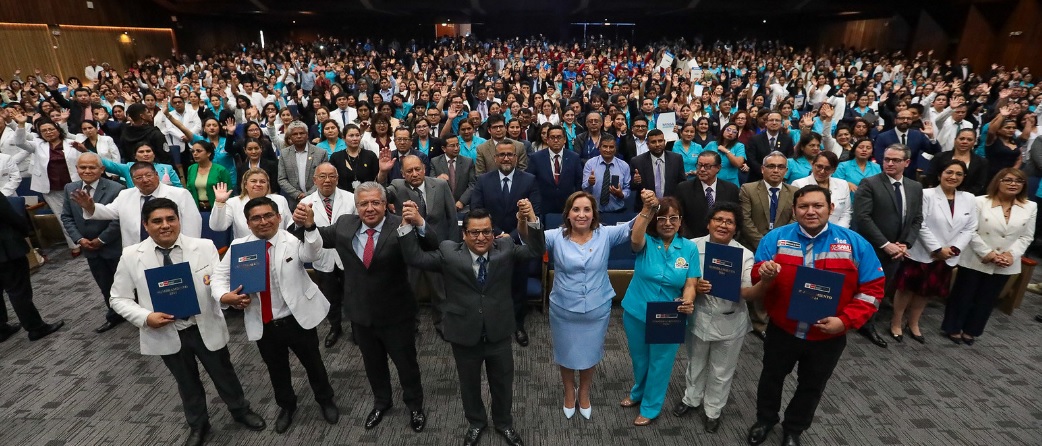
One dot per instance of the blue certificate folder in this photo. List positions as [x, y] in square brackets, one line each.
[249, 266]
[172, 290]
[664, 324]
[723, 269]
[815, 295]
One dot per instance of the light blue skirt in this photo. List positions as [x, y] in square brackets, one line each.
[578, 338]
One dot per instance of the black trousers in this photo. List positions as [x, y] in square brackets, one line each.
[397, 341]
[332, 286]
[280, 337]
[104, 272]
[436, 286]
[218, 365]
[781, 352]
[519, 291]
[14, 279]
[971, 301]
[498, 358]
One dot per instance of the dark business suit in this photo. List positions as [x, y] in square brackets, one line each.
[465, 177]
[396, 170]
[672, 174]
[554, 193]
[876, 216]
[380, 305]
[104, 261]
[488, 195]
[917, 142]
[14, 269]
[477, 317]
[695, 209]
[760, 146]
[435, 146]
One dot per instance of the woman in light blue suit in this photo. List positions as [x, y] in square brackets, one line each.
[580, 301]
[666, 270]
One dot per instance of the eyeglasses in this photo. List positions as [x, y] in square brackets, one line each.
[706, 166]
[1012, 181]
[475, 233]
[144, 176]
[775, 166]
[372, 203]
[723, 221]
[640, 126]
[823, 167]
[263, 217]
[325, 176]
[505, 155]
[671, 219]
[893, 160]
[555, 137]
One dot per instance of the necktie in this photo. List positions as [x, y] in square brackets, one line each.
[605, 183]
[710, 199]
[557, 169]
[87, 188]
[897, 194]
[506, 187]
[482, 270]
[422, 203]
[904, 139]
[773, 141]
[144, 234]
[774, 206]
[452, 175]
[166, 255]
[343, 116]
[370, 243]
[658, 178]
[265, 295]
[328, 202]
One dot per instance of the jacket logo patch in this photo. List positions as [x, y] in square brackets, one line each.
[840, 247]
[790, 244]
[681, 263]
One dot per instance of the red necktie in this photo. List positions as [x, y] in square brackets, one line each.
[557, 169]
[367, 253]
[266, 315]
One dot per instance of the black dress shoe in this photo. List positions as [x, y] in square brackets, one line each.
[472, 437]
[374, 418]
[897, 337]
[522, 337]
[683, 409]
[915, 337]
[760, 334]
[511, 436]
[330, 412]
[251, 420]
[8, 330]
[1038, 318]
[106, 326]
[790, 439]
[47, 329]
[759, 432]
[332, 337]
[417, 420]
[283, 421]
[712, 425]
[872, 335]
[197, 436]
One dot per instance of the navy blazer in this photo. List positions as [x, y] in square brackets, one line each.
[553, 195]
[917, 142]
[488, 195]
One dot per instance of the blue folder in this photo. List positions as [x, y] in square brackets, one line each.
[815, 295]
[249, 266]
[723, 269]
[172, 290]
[664, 324]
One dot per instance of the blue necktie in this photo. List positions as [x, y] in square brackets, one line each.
[774, 206]
[482, 270]
[900, 208]
[506, 187]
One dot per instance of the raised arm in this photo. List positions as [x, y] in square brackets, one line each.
[640, 225]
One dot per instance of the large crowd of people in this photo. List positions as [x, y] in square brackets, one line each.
[359, 157]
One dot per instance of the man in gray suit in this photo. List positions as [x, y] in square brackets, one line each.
[438, 210]
[888, 212]
[479, 307]
[457, 170]
[99, 240]
[297, 166]
[497, 130]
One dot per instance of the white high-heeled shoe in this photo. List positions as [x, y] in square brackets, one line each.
[587, 412]
[569, 412]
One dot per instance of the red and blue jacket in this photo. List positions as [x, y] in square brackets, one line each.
[835, 249]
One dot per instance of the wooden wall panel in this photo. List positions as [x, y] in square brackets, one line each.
[25, 47]
[929, 35]
[109, 44]
[975, 41]
[1024, 49]
[75, 12]
[884, 34]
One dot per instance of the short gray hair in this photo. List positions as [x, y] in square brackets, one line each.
[903, 148]
[296, 124]
[773, 153]
[90, 154]
[369, 186]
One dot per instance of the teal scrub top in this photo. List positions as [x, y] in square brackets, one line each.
[659, 274]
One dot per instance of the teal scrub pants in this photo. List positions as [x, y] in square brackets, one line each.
[652, 367]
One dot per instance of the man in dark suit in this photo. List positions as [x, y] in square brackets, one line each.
[657, 170]
[721, 117]
[99, 240]
[478, 310]
[587, 143]
[403, 148]
[919, 142]
[457, 170]
[14, 277]
[486, 159]
[558, 172]
[498, 192]
[379, 303]
[774, 138]
[888, 212]
[697, 196]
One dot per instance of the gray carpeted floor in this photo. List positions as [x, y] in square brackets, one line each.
[80, 388]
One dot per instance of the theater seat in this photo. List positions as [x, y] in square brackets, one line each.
[220, 239]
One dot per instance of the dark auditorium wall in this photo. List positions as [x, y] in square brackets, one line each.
[142, 13]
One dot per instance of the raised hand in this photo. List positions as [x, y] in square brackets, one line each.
[386, 160]
[636, 177]
[221, 193]
[304, 215]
